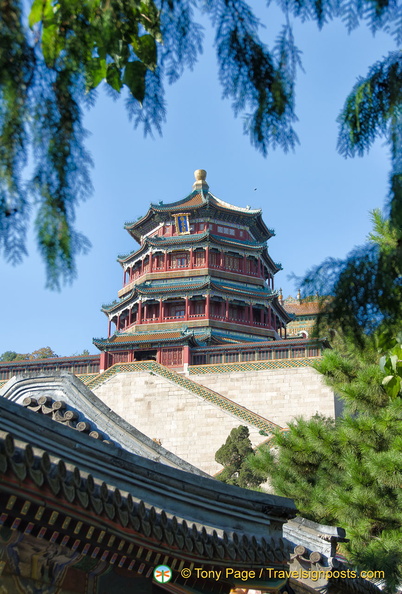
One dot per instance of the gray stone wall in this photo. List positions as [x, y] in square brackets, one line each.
[194, 429]
[279, 395]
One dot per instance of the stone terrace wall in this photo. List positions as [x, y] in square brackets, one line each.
[186, 425]
[194, 429]
[279, 395]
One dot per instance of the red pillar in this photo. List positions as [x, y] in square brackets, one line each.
[150, 262]
[160, 309]
[102, 362]
[227, 309]
[244, 264]
[250, 313]
[165, 262]
[109, 328]
[139, 312]
[142, 267]
[186, 312]
[222, 260]
[269, 317]
[130, 316]
[145, 312]
[186, 355]
[259, 267]
[207, 305]
[207, 255]
[191, 259]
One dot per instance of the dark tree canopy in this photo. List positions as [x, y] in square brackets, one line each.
[53, 58]
[233, 456]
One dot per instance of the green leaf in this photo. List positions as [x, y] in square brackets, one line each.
[113, 77]
[41, 10]
[36, 12]
[145, 48]
[51, 44]
[134, 78]
[96, 72]
[392, 385]
[149, 18]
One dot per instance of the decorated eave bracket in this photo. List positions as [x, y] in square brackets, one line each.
[182, 223]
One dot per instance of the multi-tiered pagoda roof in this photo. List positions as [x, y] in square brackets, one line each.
[202, 275]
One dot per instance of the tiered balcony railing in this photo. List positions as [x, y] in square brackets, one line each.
[194, 265]
[156, 319]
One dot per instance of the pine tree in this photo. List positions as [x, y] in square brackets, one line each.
[348, 472]
[232, 455]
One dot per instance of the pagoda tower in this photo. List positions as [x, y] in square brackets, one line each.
[202, 275]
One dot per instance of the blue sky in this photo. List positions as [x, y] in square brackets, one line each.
[316, 201]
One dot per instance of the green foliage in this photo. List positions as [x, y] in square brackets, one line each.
[365, 289]
[54, 57]
[232, 455]
[349, 472]
[43, 353]
[12, 356]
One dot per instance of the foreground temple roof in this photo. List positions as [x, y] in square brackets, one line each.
[94, 508]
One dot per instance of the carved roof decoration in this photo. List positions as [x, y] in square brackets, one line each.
[59, 411]
[50, 389]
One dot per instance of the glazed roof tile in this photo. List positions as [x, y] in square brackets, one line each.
[199, 198]
[192, 237]
[241, 242]
[247, 290]
[141, 337]
[196, 198]
[306, 308]
[171, 287]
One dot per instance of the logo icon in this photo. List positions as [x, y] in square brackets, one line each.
[162, 574]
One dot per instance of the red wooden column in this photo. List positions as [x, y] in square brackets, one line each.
[142, 267]
[186, 355]
[186, 312]
[244, 264]
[102, 362]
[124, 277]
[227, 309]
[145, 312]
[165, 262]
[207, 305]
[259, 267]
[250, 313]
[269, 317]
[130, 316]
[207, 255]
[191, 259]
[118, 322]
[109, 328]
[139, 312]
[160, 310]
[222, 259]
[150, 262]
